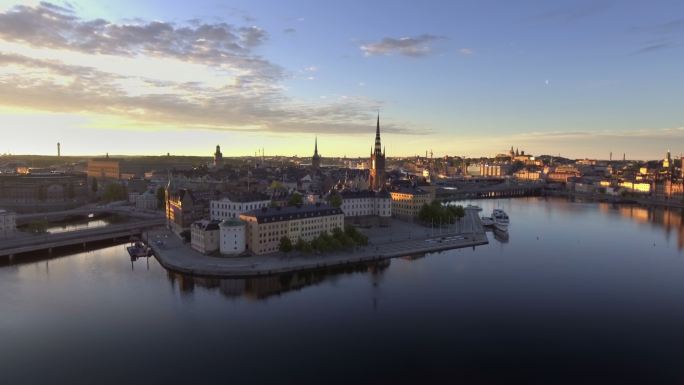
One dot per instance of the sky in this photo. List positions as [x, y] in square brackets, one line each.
[471, 78]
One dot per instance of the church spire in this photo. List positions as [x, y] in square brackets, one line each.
[378, 146]
[316, 146]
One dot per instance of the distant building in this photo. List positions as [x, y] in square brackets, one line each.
[265, 227]
[232, 238]
[316, 159]
[218, 157]
[204, 236]
[638, 187]
[495, 169]
[146, 201]
[376, 179]
[104, 168]
[407, 202]
[8, 224]
[43, 192]
[233, 205]
[528, 175]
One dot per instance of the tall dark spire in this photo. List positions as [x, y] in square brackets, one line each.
[316, 146]
[378, 147]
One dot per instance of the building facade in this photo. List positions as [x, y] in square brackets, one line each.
[183, 207]
[231, 207]
[43, 192]
[407, 202]
[104, 168]
[265, 227]
[366, 203]
[376, 179]
[146, 201]
[8, 224]
[232, 235]
[204, 236]
[494, 169]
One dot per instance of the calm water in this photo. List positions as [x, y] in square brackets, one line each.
[580, 293]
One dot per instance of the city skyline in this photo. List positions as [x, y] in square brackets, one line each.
[579, 79]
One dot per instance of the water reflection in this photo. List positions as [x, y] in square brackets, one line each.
[670, 219]
[263, 287]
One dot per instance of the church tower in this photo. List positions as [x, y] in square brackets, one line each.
[218, 157]
[316, 159]
[377, 162]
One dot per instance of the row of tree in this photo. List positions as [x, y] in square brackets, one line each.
[340, 239]
[436, 212]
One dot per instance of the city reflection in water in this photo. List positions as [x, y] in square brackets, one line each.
[263, 287]
[671, 220]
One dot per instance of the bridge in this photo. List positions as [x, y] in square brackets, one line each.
[83, 212]
[49, 242]
[502, 190]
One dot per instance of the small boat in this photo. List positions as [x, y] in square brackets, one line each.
[500, 227]
[501, 220]
[139, 250]
[473, 207]
[487, 221]
[501, 236]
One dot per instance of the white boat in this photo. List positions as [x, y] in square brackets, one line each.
[501, 220]
[473, 207]
[487, 221]
[500, 227]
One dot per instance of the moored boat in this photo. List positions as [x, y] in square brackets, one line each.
[487, 221]
[501, 220]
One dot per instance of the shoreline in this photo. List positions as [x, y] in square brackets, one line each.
[602, 198]
[177, 256]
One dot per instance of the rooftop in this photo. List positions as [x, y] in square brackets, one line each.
[278, 214]
[232, 222]
[206, 225]
[412, 191]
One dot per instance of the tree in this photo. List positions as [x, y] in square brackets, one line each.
[295, 200]
[93, 185]
[161, 196]
[114, 192]
[303, 246]
[285, 245]
[335, 200]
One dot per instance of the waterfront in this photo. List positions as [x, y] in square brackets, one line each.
[581, 292]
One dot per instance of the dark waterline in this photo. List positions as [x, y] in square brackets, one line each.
[580, 293]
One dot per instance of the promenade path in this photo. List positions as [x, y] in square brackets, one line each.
[400, 239]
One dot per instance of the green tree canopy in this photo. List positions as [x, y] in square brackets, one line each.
[285, 245]
[295, 200]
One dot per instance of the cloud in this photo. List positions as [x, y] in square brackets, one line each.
[289, 30]
[408, 46]
[50, 26]
[574, 12]
[195, 75]
[652, 47]
[311, 69]
[659, 36]
[466, 51]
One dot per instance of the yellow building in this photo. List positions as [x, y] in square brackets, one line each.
[407, 202]
[525, 174]
[636, 187]
[266, 226]
[104, 168]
